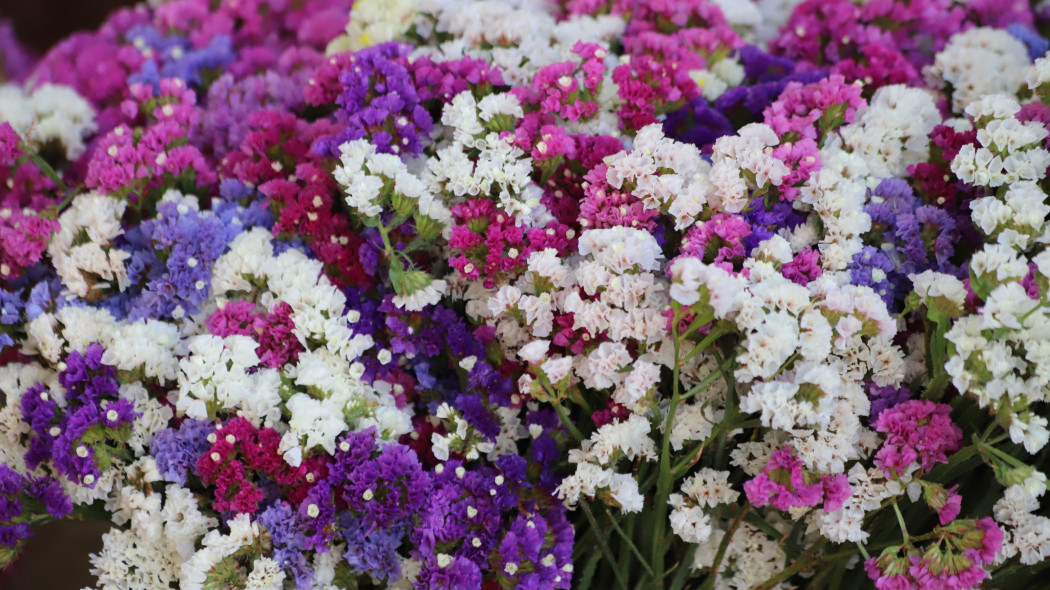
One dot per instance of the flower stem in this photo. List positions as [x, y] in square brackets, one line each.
[900, 520]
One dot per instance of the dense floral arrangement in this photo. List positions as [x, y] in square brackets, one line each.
[532, 294]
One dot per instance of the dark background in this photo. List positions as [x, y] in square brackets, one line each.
[56, 558]
[41, 23]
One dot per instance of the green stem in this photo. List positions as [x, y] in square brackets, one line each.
[630, 545]
[663, 482]
[900, 520]
[42, 164]
[564, 417]
[603, 545]
[1003, 455]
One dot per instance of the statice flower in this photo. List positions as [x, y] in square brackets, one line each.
[176, 449]
[785, 483]
[184, 244]
[379, 102]
[993, 48]
[917, 431]
[25, 236]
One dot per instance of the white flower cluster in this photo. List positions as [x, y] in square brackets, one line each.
[837, 193]
[500, 169]
[517, 36]
[965, 62]
[894, 131]
[806, 373]
[1010, 151]
[1000, 354]
[705, 488]
[596, 460]
[158, 540]
[1017, 219]
[1002, 357]
[215, 547]
[82, 250]
[51, 114]
[374, 22]
[1026, 535]
[742, 163]
[715, 78]
[663, 173]
[363, 173]
[613, 290]
[215, 376]
[751, 557]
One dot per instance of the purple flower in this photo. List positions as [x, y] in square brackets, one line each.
[379, 102]
[176, 450]
[286, 533]
[182, 244]
[872, 268]
[883, 398]
[50, 493]
[459, 574]
[39, 409]
[384, 487]
[372, 550]
[1037, 46]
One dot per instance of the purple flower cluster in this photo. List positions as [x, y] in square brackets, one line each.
[23, 497]
[11, 306]
[701, 122]
[173, 259]
[924, 235]
[378, 100]
[93, 417]
[174, 57]
[176, 450]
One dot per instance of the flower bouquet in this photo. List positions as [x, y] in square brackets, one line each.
[531, 294]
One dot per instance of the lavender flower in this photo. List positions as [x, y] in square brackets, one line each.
[176, 450]
[379, 102]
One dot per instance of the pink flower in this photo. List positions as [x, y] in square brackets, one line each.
[950, 509]
[814, 110]
[991, 541]
[916, 430]
[719, 239]
[805, 267]
[888, 582]
[785, 483]
[24, 238]
[836, 491]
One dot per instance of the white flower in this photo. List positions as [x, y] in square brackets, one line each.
[688, 522]
[420, 298]
[534, 352]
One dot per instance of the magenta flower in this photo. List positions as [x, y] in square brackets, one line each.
[916, 431]
[786, 483]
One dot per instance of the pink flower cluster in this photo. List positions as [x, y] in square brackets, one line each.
[24, 236]
[916, 431]
[786, 483]
[956, 561]
[272, 330]
[489, 242]
[134, 160]
[241, 456]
